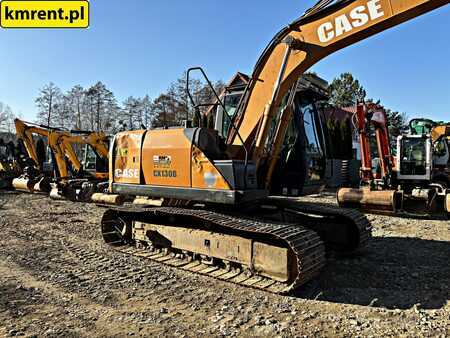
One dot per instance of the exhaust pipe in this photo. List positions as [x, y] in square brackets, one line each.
[381, 201]
[108, 199]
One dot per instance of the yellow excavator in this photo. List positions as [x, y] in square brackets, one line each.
[90, 176]
[209, 209]
[59, 171]
[37, 174]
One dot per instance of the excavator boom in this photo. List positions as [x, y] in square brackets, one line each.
[320, 32]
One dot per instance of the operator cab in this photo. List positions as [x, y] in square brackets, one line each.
[414, 157]
[420, 160]
[301, 168]
[93, 163]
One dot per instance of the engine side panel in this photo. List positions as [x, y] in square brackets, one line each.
[166, 158]
[167, 163]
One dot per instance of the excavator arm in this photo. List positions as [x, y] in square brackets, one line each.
[372, 114]
[321, 31]
[25, 132]
[97, 140]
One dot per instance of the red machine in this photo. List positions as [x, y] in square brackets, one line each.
[372, 114]
[376, 191]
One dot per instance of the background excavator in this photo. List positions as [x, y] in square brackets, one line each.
[9, 164]
[58, 169]
[88, 176]
[415, 182]
[216, 217]
[37, 173]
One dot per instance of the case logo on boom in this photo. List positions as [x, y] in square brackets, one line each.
[358, 16]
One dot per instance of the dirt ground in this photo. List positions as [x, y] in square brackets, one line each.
[57, 278]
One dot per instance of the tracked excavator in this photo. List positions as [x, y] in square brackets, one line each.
[9, 166]
[37, 173]
[91, 175]
[415, 182]
[59, 170]
[215, 216]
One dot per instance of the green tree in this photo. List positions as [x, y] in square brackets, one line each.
[397, 122]
[345, 91]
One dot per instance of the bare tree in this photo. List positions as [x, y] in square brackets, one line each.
[6, 118]
[48, 102]
[76, 101]
[96, 108]
[164, 110]
[133, 112]
[103, 108]
[149, 113]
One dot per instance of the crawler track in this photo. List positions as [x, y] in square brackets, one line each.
[355, 221]
[305, 244]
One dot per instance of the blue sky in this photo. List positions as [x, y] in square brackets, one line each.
[138, 47]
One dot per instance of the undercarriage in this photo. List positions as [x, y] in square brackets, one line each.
[279, 250]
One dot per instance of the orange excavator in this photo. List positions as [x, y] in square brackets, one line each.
[215, 216]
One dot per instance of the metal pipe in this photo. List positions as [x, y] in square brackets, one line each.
[375, 201]
[108, 199]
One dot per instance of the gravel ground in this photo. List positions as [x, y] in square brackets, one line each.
[57, 278]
